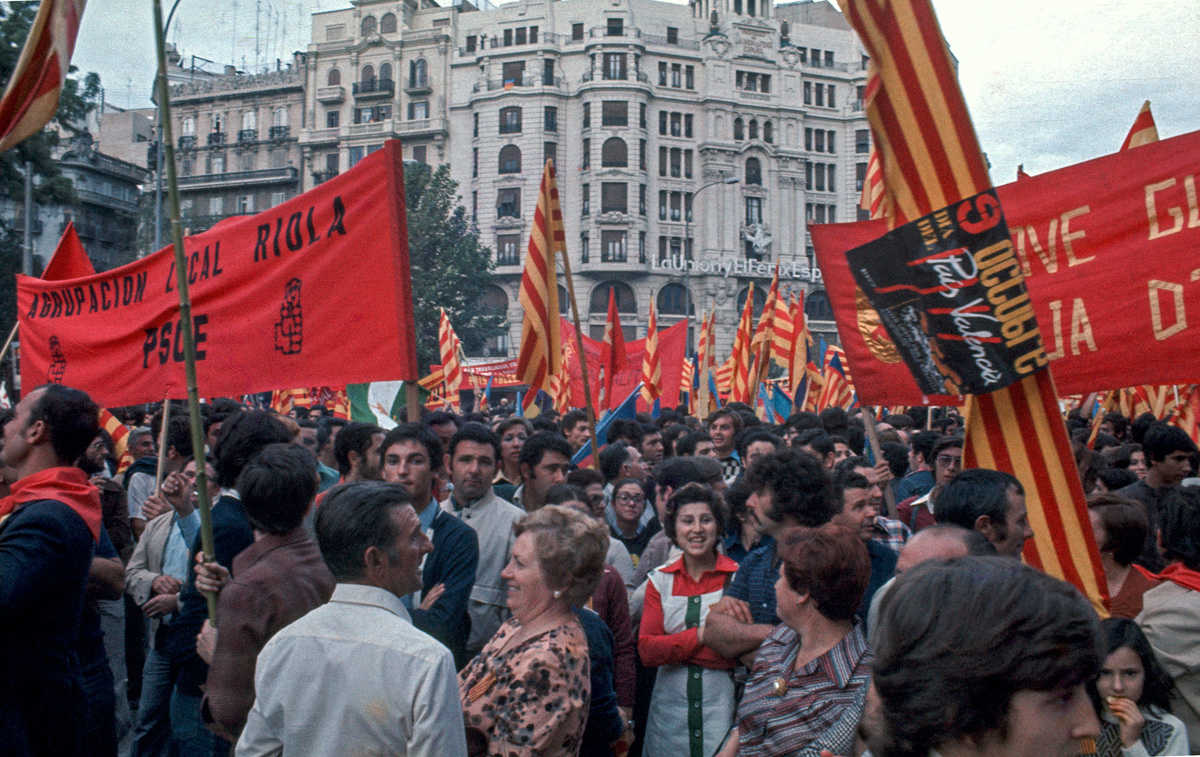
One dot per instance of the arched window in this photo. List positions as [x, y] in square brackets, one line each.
[739, 129]
[368, 74]
[334, 78]
[189, 126]
[510, 159]
[564, 301]
[760, 300]
[418, 73]
[768, 132]
[279, 117]
[817, 307]
[753, 171]
[385, 72]
[368, 25]
[614, 153]
[626, 300]
[753, 128]
[493, 301]
[387, 24]
[673, 299]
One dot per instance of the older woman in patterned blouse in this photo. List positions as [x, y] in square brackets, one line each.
[527, 692]
[807, 689]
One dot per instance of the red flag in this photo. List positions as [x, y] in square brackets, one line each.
[1144, 131]
[615, 358]
[739, 389]
[931, 158]
[70, 261]
[652, 362]
[31, 97]
[541, 349]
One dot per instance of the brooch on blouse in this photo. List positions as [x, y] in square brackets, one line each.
[779, 687]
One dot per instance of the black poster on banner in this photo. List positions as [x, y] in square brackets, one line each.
[949, 291]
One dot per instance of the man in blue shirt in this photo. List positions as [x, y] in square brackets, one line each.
[789, 488]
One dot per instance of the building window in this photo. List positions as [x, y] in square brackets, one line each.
[828, 59]
[508, 37]
[820, 95]
[641, 247]
[508, 203]
[815, 57]
[418, 73]
[613, 246]
[356, 154]
[819, 140]
[673, 300]
[418, 153]
[331, 163]
[830, 96]
[506, 249]
[832, 172]
[217, 163]
[687, 125]
[548, 73]
[753, 210]
[277, 198]
[753, 171]
[663, 203]
[808, 93]
[418, 111]
[550, 118]
[471, 43]
[676, 206]
[475, 125]
[367, 76]
[586, 196]
[672, 35]
[642, 115]
[687, 164]
[587, 115]
[614, 197]
[676, 124]
[475, 162]
[860, 176]
[662, 122]
[334, 77]
[245, 204]
[614, 66]
[614, 153]
[474, 205]
[216, 206]
[533, 30]
[520, 35]
[368, 25]
[332, 118]
[510, 159]
[641, 199]
[576, 31]
[587, 154]
[663, 159]
[550, 152]
[387, 24]
[862, 141]
[808, 176]
[614, 28]
[753, 131]
[739, 129]
[676, 162]
[510, 120]
[642, 154]
[831, 141]
[808, 139]
[662, 74]
[752, 81]
[614, 113]
[689, 77]
[768, 132]
[583, 246]
[513, 72]
[820, 177]
[676, 75]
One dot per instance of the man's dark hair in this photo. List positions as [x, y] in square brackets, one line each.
[1119, 423]
[1125, 525]
[946, 664]
[503, 426]
[475, 432]
[1116, 478]
[440, 417]
[612, 457]
[536, 447]
[834, 421]
[725, 412]
[626, 429]
[899, 420]
[1121, 455]
[799, 487]
[686, 444]
[678, 471]
[923, 443]
[277, 487]
[179, 435]
[896, 455]
[1180, 526]
[845, 477]
[71, 418]
[975, 492]
[544, 423]
[944, 443]
[1161, 440]
[325, 428]
[560, 493]
[414, 432]
[1139, 427]
[571, 419]
[802, 421]
[242, 436]
[352, 518]
[219, 410]
[670, 435]
[585, 477]
[751, 435]
[355, 437]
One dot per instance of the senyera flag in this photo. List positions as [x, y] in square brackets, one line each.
[541, 345]
[31, 96]
[313, 292]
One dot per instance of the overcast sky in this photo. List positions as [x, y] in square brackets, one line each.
[1049, 82]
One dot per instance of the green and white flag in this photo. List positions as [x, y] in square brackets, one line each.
[379, 402]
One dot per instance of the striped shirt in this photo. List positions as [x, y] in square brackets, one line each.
[817, 706]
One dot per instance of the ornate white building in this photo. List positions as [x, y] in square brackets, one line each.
[693, 142]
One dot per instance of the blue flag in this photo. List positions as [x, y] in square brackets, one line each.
[626, 410]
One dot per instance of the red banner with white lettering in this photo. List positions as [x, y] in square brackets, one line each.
[313, 292]
[1108, 249]
[672, 348]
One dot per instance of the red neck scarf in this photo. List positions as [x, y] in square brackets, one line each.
[1185, 577]
[67, 485]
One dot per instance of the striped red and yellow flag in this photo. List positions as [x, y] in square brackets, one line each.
[931, 158]
[816, 383]
[687, 381]
[541, 345]
[1187, 412]
[836, 388]
[451, 350]
[1107, 403]
[31, 97]
[433, 380]
[801, 344]
[739, 388]
[652, 361]
[725, 373]
[560, 390]
[785, 333]
[874, 195]
[706, 360]
[338, 403]
[120, 436]
[763, 342]
[284, 400]
[1144, 131]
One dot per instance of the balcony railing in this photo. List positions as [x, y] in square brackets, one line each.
[216, 138]
[323, 176]
[233, 178]
[511, 83]
[374, 88]
[332, 94]
[187, 142]
[418, 86]
[279, 132]
[248, 135]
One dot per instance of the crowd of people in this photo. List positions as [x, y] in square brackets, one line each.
[463, 586]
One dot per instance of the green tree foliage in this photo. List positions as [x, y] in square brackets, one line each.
[450, 269]
[50, 187]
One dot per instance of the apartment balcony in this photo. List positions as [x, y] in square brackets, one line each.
[319, 177]
[248, 135]
[278, 132]
[319, 136]
[418, 87]
[233, 179]
[216, 138]
[420, 127]
[187, 142]
[331, 95]
[374, 89]
[105, 201]
[523, 82]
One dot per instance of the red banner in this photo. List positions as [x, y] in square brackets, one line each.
[672, 347]
[1108, 252]
[313, 292]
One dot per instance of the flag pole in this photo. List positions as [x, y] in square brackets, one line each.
[162, 444]
[889, 498]
[587, 388]
[185, 307]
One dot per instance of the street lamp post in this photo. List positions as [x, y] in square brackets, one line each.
[687, 236]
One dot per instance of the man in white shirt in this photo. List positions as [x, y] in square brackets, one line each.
[355, 676]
